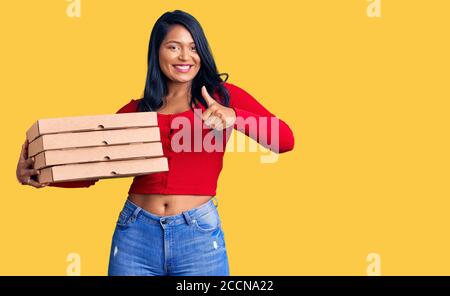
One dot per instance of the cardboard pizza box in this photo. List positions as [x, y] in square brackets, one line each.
[95, 154]
[102, 170]
[91, 123]
[93, 138]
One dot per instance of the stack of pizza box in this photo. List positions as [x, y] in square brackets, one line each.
[96, 147]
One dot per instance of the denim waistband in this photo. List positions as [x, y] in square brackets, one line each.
[135, 212]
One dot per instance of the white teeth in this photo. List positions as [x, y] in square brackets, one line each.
[182, 67]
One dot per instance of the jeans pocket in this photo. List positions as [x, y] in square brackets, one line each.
[207, 222]
[124, 218]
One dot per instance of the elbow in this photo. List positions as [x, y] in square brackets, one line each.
[284, 146]
[287, 142]
[280, 137]
[288, 146]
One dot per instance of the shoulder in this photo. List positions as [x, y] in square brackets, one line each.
[237, 93]
[235, 90]
[230, 87]
[131, 106]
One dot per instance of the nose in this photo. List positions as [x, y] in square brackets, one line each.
[182, 55]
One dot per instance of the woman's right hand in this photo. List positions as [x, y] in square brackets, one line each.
[25, 169]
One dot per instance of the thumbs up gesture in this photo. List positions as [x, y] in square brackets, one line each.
[217, 116]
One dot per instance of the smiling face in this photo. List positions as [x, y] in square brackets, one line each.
[178, 57]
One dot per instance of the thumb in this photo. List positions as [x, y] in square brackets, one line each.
[209, 100]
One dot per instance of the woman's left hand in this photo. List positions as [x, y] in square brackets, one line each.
[217, 116]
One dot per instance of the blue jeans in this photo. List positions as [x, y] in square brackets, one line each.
[190, 243]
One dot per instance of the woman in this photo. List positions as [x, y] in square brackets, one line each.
[169, 224]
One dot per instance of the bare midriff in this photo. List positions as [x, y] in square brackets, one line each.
[168, 205]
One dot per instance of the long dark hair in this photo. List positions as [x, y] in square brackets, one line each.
[156, 86]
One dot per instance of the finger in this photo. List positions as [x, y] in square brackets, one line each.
[29, 162]
[26, 172]
[211, 119]
[35, 184]
[229, 122]
[209, 100]
[206, 114]
[26, 144]
[218, 124]
[216, 120]
[22, 151]
[44, 184]
[223, 123]
[209, 111]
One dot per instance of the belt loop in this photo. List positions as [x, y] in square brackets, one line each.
[215, 201]
[135, 214]
[187, 217]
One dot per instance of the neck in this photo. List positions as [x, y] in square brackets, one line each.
[178, 89]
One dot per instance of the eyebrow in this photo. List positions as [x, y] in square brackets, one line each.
[173, 41]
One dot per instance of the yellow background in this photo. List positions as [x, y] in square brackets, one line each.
[367, 99]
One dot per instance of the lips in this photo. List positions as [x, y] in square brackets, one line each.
[183, 68]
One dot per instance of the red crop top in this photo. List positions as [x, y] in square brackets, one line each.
[194, 171]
